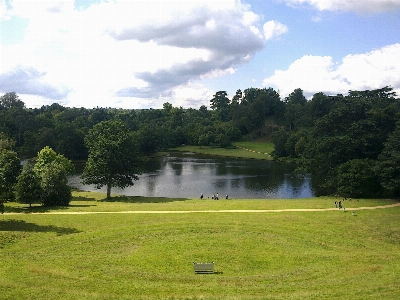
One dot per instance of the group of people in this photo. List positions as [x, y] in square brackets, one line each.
[338, 204]
[213, 197]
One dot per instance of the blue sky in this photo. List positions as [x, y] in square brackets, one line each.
[141, 54]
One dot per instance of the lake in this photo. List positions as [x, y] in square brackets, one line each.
[187, 175]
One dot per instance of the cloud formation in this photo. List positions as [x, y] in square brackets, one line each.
[142, 53]
[127, 49]
[218, 39]
[273, 29]
[313, 74]
[361, 6]
[27, 80]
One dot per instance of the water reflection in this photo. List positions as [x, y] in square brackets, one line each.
[187, 175]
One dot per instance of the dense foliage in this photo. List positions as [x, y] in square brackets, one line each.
[52, 169]
[10, 167]
[113, 157]
[28, 189]
[349, 142]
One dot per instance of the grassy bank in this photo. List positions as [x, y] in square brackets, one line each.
[251, 150]
[275, 255]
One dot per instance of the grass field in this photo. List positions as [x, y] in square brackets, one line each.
[252, 150]
[326, 254]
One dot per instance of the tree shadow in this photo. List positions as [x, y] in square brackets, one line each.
[142, 199]
[82, 198]
[40, 209]
[20, 225]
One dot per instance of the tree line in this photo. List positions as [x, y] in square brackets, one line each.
[350, 143]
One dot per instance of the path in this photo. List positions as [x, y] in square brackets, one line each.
[254, 151]
[207, 211]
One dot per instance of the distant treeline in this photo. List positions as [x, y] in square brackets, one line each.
[351, 143]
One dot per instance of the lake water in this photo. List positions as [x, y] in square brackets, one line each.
[187, 175]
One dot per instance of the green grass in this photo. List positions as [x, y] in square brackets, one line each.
[263, 147]
[275, 255]
[253, 150]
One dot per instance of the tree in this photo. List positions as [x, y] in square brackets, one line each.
[10, 166]
[47, 156]
[280, 138]
[54, 184]
[10, 100]
[70, 141]
[238, 97]
[28, 189]
[52, 169]
[220, 103]
[204, 140]
[296, 97]
[113, 157]
[6, 143]
[150, 138]
[250, 94]
[388, 168]
[348, 136]
[356, 178]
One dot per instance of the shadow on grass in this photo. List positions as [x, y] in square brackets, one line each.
[141, 199]
[19, 225]
[40, 208]
[81, 198]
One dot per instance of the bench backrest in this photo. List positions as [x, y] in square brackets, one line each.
[203, 267]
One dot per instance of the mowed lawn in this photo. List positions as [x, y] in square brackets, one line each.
[251, 150]
[258, 255]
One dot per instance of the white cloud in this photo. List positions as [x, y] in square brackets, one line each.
[5, 11]
[314, 74]
[134, 49]
[274, 29]
[361, 6]
[191, 95]
[217, 40]
[31, 81]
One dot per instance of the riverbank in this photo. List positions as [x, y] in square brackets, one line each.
[325, 254]
[248, 150]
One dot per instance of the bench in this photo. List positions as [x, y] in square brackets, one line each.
[203, 268]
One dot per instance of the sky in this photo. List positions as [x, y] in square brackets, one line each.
[141, 54]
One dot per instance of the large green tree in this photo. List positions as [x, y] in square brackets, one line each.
[28, 189]
[10, 167]
[54, 184]
[220, 103]
[113, 157]
[356, 178]
[53, 169]
[9, 100]
[47, 155]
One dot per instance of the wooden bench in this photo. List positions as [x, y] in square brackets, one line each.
[203, 268]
